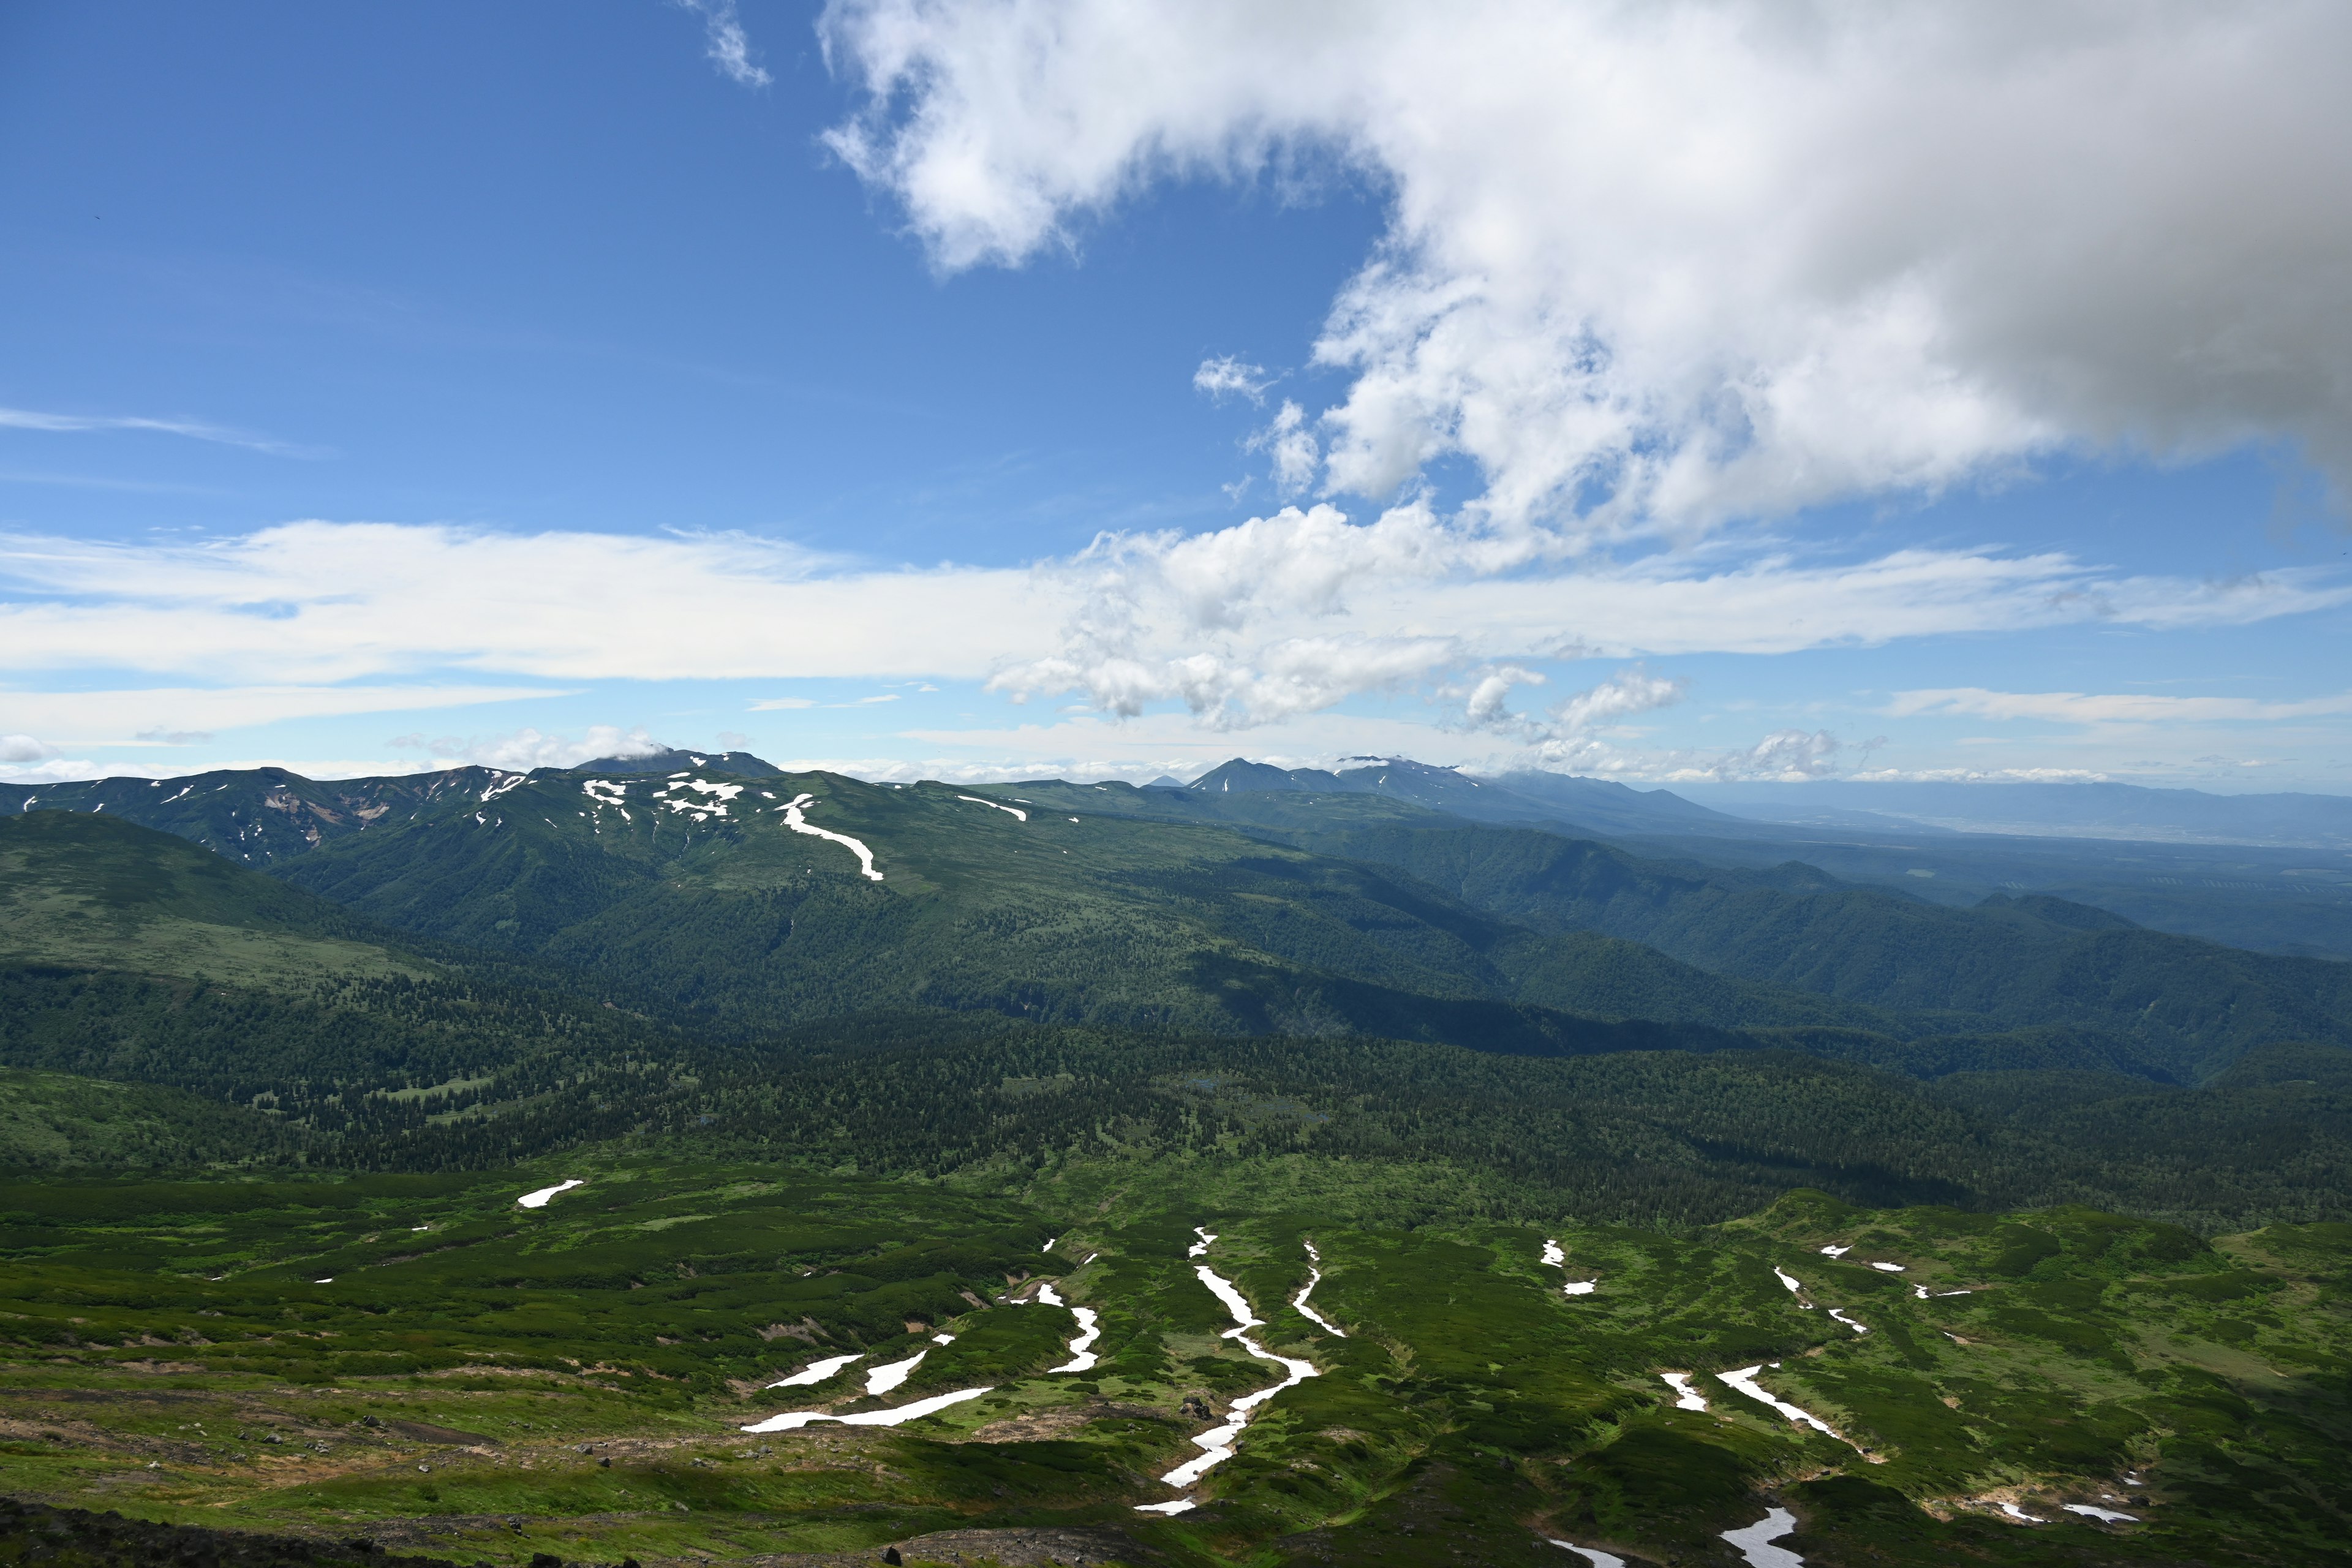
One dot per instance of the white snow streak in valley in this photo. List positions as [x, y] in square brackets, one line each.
[1082, 1355]
[1686, 1397]
[1754, 1542]
[1217, 1443]
[793, 820]
[1744, 1380]
[1208, 1239]
[1598, 1559]
[538, 1200]
[2106, 1514]
[816, 1371]
[1315, 1278]
[937, 1401]
[1013, 809]
[883, 1379]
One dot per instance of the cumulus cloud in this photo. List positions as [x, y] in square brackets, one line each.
[725, 42]
[1659, 264]
[22, 749]
[1291, 447]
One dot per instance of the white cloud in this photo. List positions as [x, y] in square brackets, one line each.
[780, 704]
[153, 715]
[1665, 264]
[1292, 447]
[1260, 623]
[526, 749]
[2113, 708]
[194, 430]
[725, 44]
[355, 601]
[22, 749]
[1228, 376]
[1622, 695]
[1280, 615]
[62, 770]
[1979, 776]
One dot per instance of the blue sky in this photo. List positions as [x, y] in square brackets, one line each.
[387, 388]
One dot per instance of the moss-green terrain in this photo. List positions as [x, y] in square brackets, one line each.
[422, 1361]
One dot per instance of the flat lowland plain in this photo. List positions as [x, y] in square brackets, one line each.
[422, 1361]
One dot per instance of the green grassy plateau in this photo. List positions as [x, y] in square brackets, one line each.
[422, 1362]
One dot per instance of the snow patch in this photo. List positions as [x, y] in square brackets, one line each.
[2104, 1515]
[1686, 1397]
[1217, 1443]
[1013, 809]
[1839, 1313]
[883, 1379]
[816, 1371]
[1787, 1280]
[1315, 1278]
[1744, 1380]
[1755, 1543]
[1553, 1255]
[793, 820]
[1888, 1268]
[1182, 1505]
[1837, 1251]
[1598, 1559]
[2019, 1515]
[1577, 1288]
[937, 1401]
[1207, 1237]
[538, 1200]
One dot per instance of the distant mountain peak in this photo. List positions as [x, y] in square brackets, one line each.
[670, 761]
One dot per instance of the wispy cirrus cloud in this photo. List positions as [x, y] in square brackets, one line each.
[1239, 628]
[2086, 708]
[727, 46]
[193, 429]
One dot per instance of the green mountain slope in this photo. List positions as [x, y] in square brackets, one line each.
[133, 955]
[56, 1121]
[93, 892]
[1288, 909]
[700, 895]
[2190, 1006]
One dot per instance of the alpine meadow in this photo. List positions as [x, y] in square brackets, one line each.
[1176, 784]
